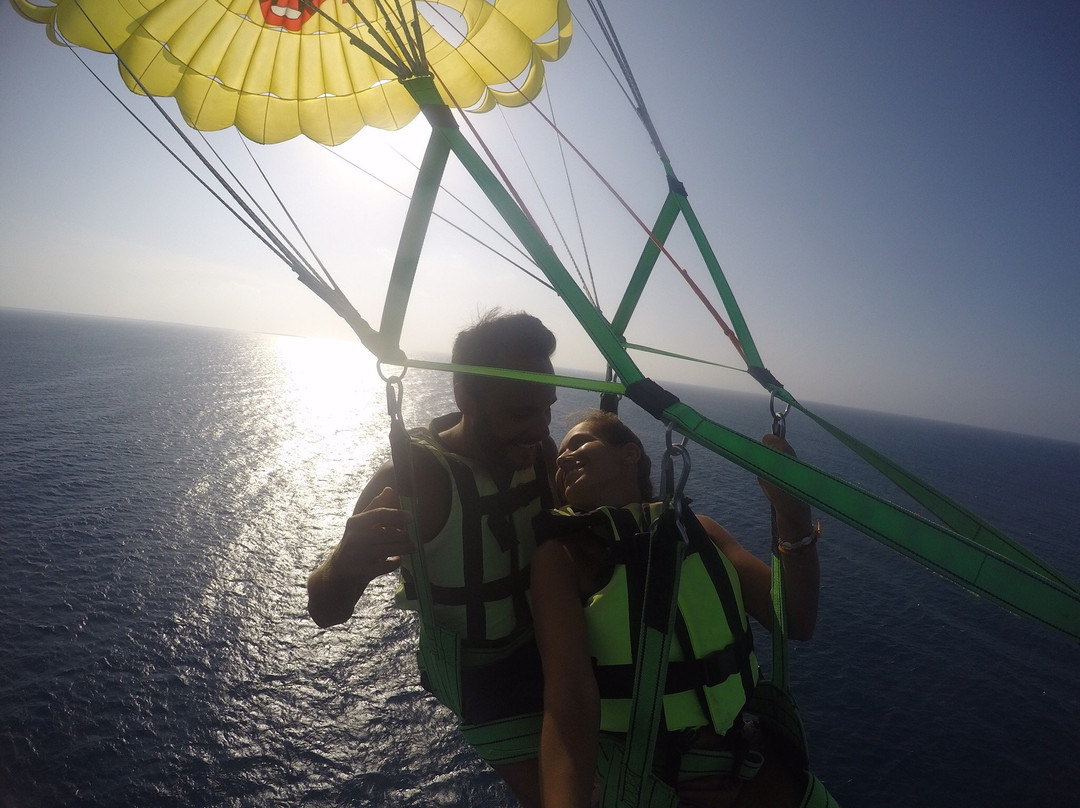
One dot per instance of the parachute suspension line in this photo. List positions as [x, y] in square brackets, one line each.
[509, 186]
[274, 248]
[551, 214]
[502, 236]
[608, 30]
[326, 276]
[603, 59]
[418, 38]
[631, 346]
[259, 227]
[577, 215]
[293, 253]
[404, 38]
[712, 310]
[398, 68]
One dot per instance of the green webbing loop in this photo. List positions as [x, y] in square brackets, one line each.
[575, 382]
[412, 241]
[637, 784]
[773, 699]
[779, 673]
[439, 653]
[405, 485]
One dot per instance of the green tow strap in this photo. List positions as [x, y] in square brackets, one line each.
[439, 652]
[637, 784]
[772, 700]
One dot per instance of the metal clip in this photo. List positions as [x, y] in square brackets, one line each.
[779, 425]
[394, 396]
[671, 490]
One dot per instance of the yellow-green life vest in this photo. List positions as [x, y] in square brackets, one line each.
[478, 563]
[712, 668]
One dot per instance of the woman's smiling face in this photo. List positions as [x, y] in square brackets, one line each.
[590, 473]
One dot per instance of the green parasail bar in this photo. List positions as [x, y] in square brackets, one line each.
[675, 204]
[608, 342]
[999, 571]
[951, 513]
[417, 219]
[1010, 582]
[665, 220]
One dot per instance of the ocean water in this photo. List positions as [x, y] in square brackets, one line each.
[165, 490]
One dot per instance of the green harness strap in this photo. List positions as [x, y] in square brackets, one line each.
[637, 784]
[773, 701]
[439, 652]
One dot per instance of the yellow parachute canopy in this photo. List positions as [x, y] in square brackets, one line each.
[276, 69]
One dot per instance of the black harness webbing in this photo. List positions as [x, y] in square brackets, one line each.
[636, 784]
[481, 680]
[439, 650]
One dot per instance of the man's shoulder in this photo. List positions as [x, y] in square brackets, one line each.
[431, 436]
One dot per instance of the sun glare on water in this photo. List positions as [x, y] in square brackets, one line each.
[313, 432]
[330, 389]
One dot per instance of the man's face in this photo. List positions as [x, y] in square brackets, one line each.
[509, 419]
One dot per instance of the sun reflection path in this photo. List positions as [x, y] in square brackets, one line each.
[334, 398]
[293, 444]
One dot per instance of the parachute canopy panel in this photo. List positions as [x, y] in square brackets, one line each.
[325, 69]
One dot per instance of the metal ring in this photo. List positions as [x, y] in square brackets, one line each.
[779, 424]
[667, 467]
[772, 406]
[396, 376]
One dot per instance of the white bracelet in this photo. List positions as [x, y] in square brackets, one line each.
[809, 540]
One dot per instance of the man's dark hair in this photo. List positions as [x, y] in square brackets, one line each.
[500, 340]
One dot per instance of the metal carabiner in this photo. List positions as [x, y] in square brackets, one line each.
[395, 395]
[779, 425]
[670, 490]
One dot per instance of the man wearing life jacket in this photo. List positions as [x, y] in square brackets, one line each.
[474, 481]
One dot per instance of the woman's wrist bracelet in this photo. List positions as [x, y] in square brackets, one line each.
[809, 540]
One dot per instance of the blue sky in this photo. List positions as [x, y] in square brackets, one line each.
[893, 190]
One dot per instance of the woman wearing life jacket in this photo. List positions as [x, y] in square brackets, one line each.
[584, 579]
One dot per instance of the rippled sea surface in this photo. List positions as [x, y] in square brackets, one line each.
[164, 492]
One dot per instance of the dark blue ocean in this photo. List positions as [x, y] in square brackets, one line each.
[165, 490]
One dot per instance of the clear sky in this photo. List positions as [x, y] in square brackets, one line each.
[893, 189]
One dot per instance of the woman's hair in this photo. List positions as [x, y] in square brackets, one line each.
[612, 431]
